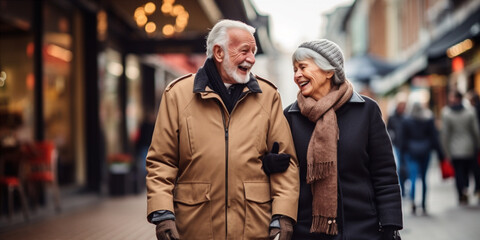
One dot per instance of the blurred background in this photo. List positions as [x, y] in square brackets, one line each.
[81, 81]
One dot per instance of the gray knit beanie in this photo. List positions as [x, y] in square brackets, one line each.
[330, 51]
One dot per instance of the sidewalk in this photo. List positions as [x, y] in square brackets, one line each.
[112, 218]
[124, 218]
[446, 220]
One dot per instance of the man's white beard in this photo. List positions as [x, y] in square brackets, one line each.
[231, 71]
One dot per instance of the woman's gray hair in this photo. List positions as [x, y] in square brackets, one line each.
[302, 54]
[218, 35]
[418, 111]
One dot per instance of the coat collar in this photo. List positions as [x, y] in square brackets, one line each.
[200, 83]
[356, 98]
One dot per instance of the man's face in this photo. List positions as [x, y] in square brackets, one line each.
[239, 57]
[452, 99]
[401, 107]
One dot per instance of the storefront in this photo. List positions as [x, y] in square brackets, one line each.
[454, 60]
[449, 61]
[44, 103]
[86, 73]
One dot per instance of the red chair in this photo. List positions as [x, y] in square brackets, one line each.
[13, 183]
[43, 170]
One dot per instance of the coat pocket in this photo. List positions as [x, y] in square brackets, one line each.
[193, 210]
[258, 212]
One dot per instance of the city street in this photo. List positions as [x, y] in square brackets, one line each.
[446, 219]
[81, 82]
[124, 218]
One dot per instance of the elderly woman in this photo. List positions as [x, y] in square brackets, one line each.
[348, 183]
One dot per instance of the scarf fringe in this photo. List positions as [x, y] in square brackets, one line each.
[321, 224]
[317, 171]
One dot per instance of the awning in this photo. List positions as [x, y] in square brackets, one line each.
[467, 29]
[365, 67]
[400, 75]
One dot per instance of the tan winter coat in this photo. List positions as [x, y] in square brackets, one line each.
[205, 164]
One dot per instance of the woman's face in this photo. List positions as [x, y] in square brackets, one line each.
[311, 80]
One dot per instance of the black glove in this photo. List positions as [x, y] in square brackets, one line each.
[274, 162]
[390, 233]
[167, 230]
[284, 227]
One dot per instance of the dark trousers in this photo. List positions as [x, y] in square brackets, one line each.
[463, 168]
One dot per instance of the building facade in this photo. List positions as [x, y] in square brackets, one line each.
[85, 73]
[433, 44]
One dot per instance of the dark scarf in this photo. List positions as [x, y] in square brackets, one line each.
[457, 107]
[322, 155]
[229, 96]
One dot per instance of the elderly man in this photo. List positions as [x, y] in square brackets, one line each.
[209, 159]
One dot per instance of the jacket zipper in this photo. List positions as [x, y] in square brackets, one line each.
[226, 125]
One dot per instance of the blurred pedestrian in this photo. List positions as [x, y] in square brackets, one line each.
[348, 182]
[474, 99]
[418, 139]
[205, 175]
[141, 149]
[394, 127]
[461, 139]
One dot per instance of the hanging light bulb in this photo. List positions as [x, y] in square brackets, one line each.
[150, 8]
[150, 27]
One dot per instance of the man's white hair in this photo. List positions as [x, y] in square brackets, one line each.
[218, 35]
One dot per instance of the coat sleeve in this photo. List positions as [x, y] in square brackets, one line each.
[383, 172]
[284, 186]
[403, 135]
[391, 128]
[162, 157]
[435, 138]
[475, 130]
[445, 133]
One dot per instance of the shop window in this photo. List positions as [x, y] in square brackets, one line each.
[16, 65]
[57, 86]
[110, 71]
[134, 110]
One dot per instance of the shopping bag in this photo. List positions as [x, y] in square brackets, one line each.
[447, 169]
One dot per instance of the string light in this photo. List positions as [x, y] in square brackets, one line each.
[168, 30]
[150, 27]
[167, 8]
[150, 8]
[141, 20]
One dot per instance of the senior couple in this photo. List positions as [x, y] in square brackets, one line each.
[227, 162]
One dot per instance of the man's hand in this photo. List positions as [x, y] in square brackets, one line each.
[166, 230]
[285, 230]
[273, 162]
